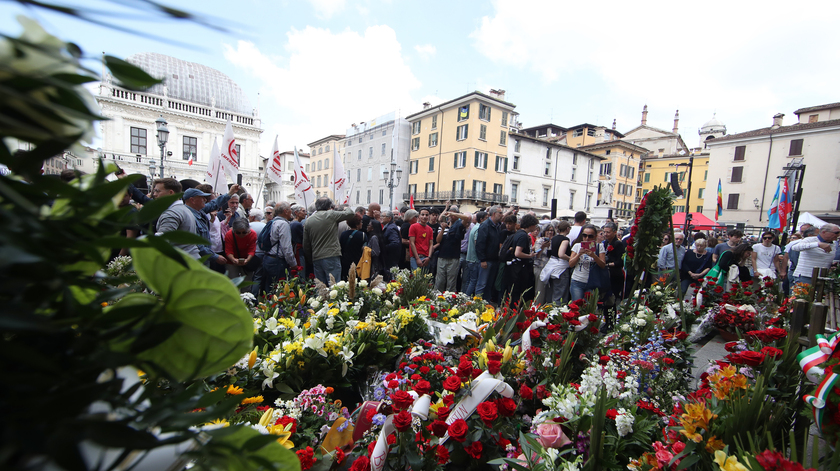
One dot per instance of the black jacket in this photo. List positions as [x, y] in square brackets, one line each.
[487, 242]
[391, 245]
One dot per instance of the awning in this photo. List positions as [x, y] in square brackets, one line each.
[698, 221]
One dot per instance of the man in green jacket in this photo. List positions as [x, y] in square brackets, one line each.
[320, 239]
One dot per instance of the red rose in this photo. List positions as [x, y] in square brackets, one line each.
[424, 369]
[604, 359]
[362, 463]
[488, 412]
[448, 399]
[339, 455]
[402, 421]
[494, 366]
[439, 368]
[681, 335]
[442, 412]
[392, 439]
[422, 387]
[306, 457]
[286, 420]
[612, 414]
[401, 400]
[452, 383]
[506, 406]
[474, 450]
[438, 428]
[746, 358]
[494, 356]
[610, 248]
[458, 430]
[668, 361]
[442, 454]
[731, 346]
[772, 352]
[393, 383]
[526, 393]
[542, 393]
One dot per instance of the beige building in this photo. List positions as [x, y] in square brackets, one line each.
[619, 174]
[658, 141]
[321, 163]
[459, 151]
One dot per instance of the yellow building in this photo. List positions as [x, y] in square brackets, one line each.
[321, 163]
[619, 172]
[459, 151]
[658, 170]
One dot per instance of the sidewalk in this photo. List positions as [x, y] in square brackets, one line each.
[711, 350]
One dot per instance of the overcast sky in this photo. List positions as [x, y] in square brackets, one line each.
[314, 67]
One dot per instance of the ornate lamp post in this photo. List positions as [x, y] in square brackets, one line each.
[151, 172]
[388, 176]
[162, 136]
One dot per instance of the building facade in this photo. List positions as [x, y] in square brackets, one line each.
[657, 141]
[748, 165]
[459, 151]
[286, 192]
[196, 101]
[540, 171]
[656, 171]
[321, 163]
[368, 149]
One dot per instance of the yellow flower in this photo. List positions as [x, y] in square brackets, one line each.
[421, 298]
[282, 434]
[265, 419]
[698, 414]
[252, 358]
[252, 400]
[307, 325]
[713, 444]
[235, 390]
[361, 325]
[222, 422]
[333, 311]
[728, 463]
[690, 432]
[487, 316]
[453, 312]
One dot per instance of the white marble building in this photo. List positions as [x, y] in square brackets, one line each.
[196, 101]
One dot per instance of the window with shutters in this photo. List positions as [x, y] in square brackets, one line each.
[503, 138]
[548, 153]
[517, 145]
[460, 159]
[434, 122]
[461, 132]
[326, 163]
[700, 192]
[482, 132]
[415, 143]
[431, 164]
[571, 199]
[514, 191]
[483, 112]
[415, 128]
[433, 139]
[574, 174]
[318, 181]
[239, 154]
[138, 141]
[547, 169]
[740, 151]
[606, 169]
[381, 196]
[574, 159]
[516, 162]
[464, 113]
[190, 148]
[480, 160]
[590, 132]
[412, 166]
[504, 118]
[479, 186]
[737, 174]
[796, 147]
[458, 188]
[412, 189]
[501, 163]
[383, 149]
[430, 187]
[319, 165]
[732, 203]
[498, 188]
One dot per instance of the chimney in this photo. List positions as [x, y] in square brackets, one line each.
[777, 121]
[613, 124]
[499, 94]
[644, 116]
[677, 122]
[427, 105]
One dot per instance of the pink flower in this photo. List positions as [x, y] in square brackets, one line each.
[551, 435]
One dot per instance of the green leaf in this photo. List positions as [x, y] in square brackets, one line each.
[255, 443]
[228, 445]
[217, 328]
[129, 75]
[184, 238]
[154, 336]
[153, 209]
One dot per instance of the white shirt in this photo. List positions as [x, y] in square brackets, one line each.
[765, 256]
[810, 255]
[580, 272]
[257, 226]
[574, 232]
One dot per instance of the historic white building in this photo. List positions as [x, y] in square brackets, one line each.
[196, 101]
[367, 155]
[539, 170]
[748, 164]
[657, 141]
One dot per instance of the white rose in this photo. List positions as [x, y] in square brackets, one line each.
[626, 327]
[363, 283]
[640, 322]
[314, 303]
[333, 294]
[377, 291]
[388, 303]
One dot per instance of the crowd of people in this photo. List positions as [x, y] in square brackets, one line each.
[494, 252]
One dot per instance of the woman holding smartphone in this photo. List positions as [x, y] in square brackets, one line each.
[585, 253]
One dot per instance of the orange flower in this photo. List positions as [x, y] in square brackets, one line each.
[714, 444]
[252, 400]
[329, 390]
[235, 390]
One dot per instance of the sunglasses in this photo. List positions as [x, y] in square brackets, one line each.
[766, 238]
[588, 236]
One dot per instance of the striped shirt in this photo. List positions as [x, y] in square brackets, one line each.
[810, 255]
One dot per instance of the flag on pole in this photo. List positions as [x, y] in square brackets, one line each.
[275, 167]
[347, 196]
[215, 176]
[773, 221]
[191, 160]
[411, 202]
[230, 159]
[719, 211]
[339, 177]
[785, 204]
[304, 195]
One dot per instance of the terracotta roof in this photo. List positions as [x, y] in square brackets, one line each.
[770, 130]
[816, 108]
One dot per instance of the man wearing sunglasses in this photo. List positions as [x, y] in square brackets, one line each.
[765, 258]
[816, 250]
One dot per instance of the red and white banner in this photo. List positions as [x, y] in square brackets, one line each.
[230, 159]
[339, 177]
[304, 194]
[215, 176]
[275, 166]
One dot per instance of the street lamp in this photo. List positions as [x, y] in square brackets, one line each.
[388, 176]
[151, 171]
[755, 202]
[162, 136]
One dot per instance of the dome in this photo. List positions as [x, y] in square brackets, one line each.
[193, 82]
[713, 125]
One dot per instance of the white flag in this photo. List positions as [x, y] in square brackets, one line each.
[230, 159]
[347, 197]
[339, 177]
[275, 167]
[215, 177]
[304, 195]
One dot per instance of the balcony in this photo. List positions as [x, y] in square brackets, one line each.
[458, 195]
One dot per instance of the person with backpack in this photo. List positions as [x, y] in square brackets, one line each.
[276, 241]
[352, 243]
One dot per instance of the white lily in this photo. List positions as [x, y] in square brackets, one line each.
[316, 343]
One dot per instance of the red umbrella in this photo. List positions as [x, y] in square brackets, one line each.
[698, 221]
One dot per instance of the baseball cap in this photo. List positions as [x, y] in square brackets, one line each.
[194, 192]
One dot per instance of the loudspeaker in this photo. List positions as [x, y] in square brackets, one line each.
[675, 184]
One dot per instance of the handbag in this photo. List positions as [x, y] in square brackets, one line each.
[363, 267]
